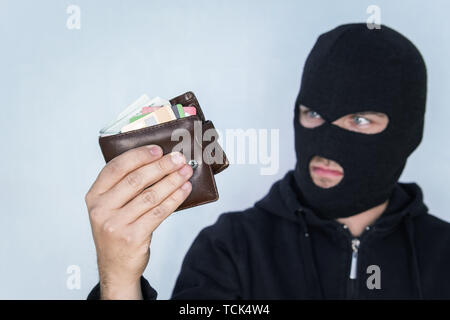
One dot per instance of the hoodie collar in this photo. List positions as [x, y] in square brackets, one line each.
[405, 203]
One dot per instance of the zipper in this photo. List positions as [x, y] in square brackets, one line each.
[354, 264]
[353, 275]
[352, 290]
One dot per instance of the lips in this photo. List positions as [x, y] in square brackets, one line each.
[323, 171]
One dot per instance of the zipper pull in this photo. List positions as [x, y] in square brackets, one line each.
[355, 247]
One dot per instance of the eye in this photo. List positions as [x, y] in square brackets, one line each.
[310, 118]
[367, 122]
[313, 114]
[359, 121]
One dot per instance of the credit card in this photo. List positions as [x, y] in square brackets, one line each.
[115, 126]
[145, 112]
[133, 119]
[178, 110]
[161, 115]
[149, 109]
[131, 111]
[191, 111]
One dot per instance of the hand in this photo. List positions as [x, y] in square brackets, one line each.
[124, 213]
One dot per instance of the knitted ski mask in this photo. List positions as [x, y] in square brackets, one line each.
[354, 69]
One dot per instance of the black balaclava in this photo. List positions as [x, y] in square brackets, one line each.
[354, 69]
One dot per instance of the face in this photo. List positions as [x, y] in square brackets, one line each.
[327, 173]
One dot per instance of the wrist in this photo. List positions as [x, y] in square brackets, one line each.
[113, 291]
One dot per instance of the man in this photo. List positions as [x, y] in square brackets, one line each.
[339, 226]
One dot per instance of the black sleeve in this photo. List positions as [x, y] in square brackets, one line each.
[209, 269]
[148, 293]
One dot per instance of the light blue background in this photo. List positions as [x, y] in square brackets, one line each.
[60, 86]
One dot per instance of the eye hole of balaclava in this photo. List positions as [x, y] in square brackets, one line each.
[365, 122]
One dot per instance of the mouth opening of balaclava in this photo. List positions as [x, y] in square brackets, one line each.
[354, 69]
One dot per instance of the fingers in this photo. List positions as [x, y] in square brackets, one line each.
[134, 182]
[148, 222]
[154, 195]
[119, 167]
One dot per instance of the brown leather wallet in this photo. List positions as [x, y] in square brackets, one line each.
[206, 161]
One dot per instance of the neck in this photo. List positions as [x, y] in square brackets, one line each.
[358, 222]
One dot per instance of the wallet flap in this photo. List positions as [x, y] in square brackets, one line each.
[190, 98]
[186, 99]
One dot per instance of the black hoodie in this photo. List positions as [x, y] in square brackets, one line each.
[279, 249]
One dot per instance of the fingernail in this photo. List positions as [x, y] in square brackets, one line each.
[186, 186]
[176, 157]
[155, 150]
[184, 170]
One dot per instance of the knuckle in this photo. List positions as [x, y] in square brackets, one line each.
[95, 213]
[114, 168]
[109, 228]
[133, 179]
[128, 238]
[175, 198]
[87, 198]
[162, 165]
[172, 181]
[159, 210]
[150, 196]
